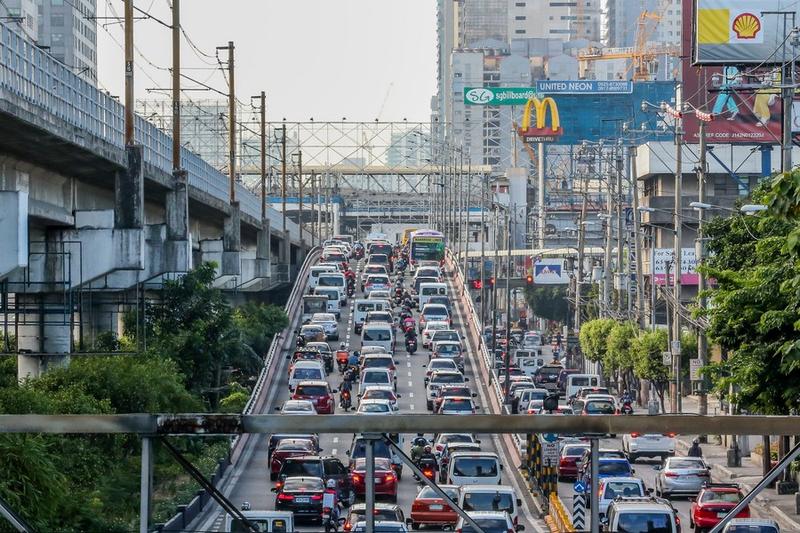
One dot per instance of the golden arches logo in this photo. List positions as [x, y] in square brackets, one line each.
[540, 107]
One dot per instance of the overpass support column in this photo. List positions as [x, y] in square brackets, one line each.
[285, 247]
[263, 259]
[178, 251]
[129, 190]
[232, 242]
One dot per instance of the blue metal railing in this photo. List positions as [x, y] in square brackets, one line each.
[31, 76]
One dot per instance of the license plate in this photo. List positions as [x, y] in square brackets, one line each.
[377, 481]
[436, 507]
[721, 514]
[302, 500]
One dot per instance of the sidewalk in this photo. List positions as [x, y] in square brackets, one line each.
[768, 504]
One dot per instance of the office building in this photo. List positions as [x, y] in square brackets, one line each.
[483, 20]
[24, 13]
[68, 30]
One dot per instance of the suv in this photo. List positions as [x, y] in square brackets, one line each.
[358, 450]
[637, 445]
[319, 392]
[546, 376]
[438, 379]
[325, 467]
[641, 515]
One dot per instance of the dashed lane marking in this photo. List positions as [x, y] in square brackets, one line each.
[333, 451]
[410, 383]
[412, 407]
[410, 394]
[335, 440]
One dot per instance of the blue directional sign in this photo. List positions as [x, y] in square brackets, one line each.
[579, 487]
[552, 87]
[550, 437]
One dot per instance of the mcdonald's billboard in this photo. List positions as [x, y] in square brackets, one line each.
[539, 131]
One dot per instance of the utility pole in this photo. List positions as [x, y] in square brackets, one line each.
[283, 177]
[581, 249]
[620, 270]
[509, 231]
[129, 101]
[484, 195]
[300, 188]
[787, 95]
[176, 85]
[494, 283]
[466, 224]
[676, 319]
[231, 118]
[314, 205]
[540, 193]
[605, 305]
[637, 228]
[263, 100]
[700, 252]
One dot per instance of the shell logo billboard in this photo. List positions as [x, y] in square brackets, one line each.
[746, 26]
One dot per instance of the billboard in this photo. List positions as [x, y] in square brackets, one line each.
[498, 95]
[740, 116]
[539, 131]
[742, 32]
[663, 256]
[550, 272]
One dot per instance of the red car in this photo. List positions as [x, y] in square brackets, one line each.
[429, 509]
[568, 463]
[385, 478]
[715, 501]
[446, 391]
[319, 392]
[288, 448]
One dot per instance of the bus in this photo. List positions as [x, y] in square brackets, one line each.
[407, 235]
[426, 245]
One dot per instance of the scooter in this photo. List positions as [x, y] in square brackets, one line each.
[341, 360]
[345, 400]
[411, 345]
[627, 407]
[428, 468]
[329, 521]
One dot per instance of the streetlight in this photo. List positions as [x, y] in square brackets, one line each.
[747, 209]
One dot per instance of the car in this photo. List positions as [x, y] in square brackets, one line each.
[431, 312]
[382, 526]
[443, 300]
[583, 392]
[752, 525]
[377, 282]
[288, 448]
[276, 438]
[430, 509]
[382, 392]
[637, 445]
[383, 512]
[451, 391]
[490, 498]
[328, 323]
[489, 522]
[533, 409]
[457, 405]
[375, 407]
[546, 376]
[325, 467]
[302, 496]
[615, 487]
[598, 407]
[714, 502]
[306, 371]
[451, 448]
[428, 272]
[681, 475]
[379, 294]
[608, 467]
[298, 407]
[325, 351]
[436, 365]
[358, 450]
[443, 439]
[372, 269]
[268, 521]
[568, 461]
[380, 259]
[448, 350]
[375, 376]
[312, 332]
[583, 462]
[446, 335]
[474, 468]
[439, 378]
[528, 398]
[378, 316]
[385, 478]
[380, 361]
[641, 515]
[320, 394]
[429, 330]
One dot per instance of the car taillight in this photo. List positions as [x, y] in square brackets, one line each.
[389, 477]
[634, 435]
[670, 474]
[285, 497]
[278, 485]
[563, 461]
[356, 478]
[316, 497]
[670, 435]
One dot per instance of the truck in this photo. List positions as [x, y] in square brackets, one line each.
[313, 303]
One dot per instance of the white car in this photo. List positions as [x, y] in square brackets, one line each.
[328, 323]
[613, 487]
[298, 407]
[379, 294]
[436, 365]
[306, 370]
[375, 407]
[430, 328]
[377, 282]
[376, 376]
[637, 445]
[457, 405]
[376, 392]
[439, 378]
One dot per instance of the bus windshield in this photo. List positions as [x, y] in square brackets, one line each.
[427, 246]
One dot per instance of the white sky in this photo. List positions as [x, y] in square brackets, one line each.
[325, 59]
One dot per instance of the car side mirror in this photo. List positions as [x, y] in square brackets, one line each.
[335, 390]
[342, 521]
[633, 470]
[649, 491]
[474, 394]
[273, 489]
[708, 467]
[657, 468]
[502, 467]
[519, 527]
[519, 502]
[466, 379]
[277, 407]
[347, 453]
[409, 521]
[399, 395]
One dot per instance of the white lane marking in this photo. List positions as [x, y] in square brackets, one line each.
[409, 374]
[410, 384]
[410, 394]
[333, 451]
[335, 440]
[412, 407]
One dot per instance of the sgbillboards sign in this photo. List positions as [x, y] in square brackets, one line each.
[740, 115]
[498, 95]
[740, 32]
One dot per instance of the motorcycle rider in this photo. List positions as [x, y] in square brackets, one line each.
[418, 448]
[346, 386]
[330, 500]
[428, 459]
[352, 361]
[626, 399]
[695, 450]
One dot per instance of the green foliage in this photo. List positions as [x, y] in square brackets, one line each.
[259, 323]
[619, 355]
[549, 302]
[594, 336]
[236, 399]
[648, 364]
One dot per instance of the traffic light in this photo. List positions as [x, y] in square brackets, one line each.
[529, 279]
[477, 284]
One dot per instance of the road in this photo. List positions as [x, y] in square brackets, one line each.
[250, 481]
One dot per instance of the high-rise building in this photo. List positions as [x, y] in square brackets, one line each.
[554, 19]
[24, 13]
[483, 20]
[68, 29]
[409, 149]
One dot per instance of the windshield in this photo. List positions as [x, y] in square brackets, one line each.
[428, 492]
[312, 390]
[549, 371]
[489, 501]
[331, 281]
[380, 280]
[747, 528]
[427, 248]
[599, 408]
[625, 489]
[583, 381]
[685, 463]
[302, 468]
[614, 468]
[307, 373]
[378, 394]
[475, 467]
[359, 450]
[376, 377]
[365, 307]
[385, 249]
[447, 378]
[331, 294]
[458, 404]
[721, 497]
[375, 269]
[377, 335]
[573, 451]
[373, 408]
[378, 362]
[434, 311]
[379, 259]
[645, 522]
[488, 525]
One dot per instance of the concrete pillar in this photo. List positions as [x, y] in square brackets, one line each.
[129, 191]
[44, 329]
[177, 248]
[13, 231]
[232, 242]
[263, 250]
[518, 198]
[284, 248]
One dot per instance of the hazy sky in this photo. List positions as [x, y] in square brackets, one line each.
[325, 59]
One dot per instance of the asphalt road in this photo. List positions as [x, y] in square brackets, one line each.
[251, 480]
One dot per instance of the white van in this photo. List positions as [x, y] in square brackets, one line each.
[267, 522]
[490, 498]
[426, 290]
[363, 306]
[529, 360]
[474, 468]
[305, 370]
[336, 280]
[378, 334]
[334, 305]
[315, 271]
[576, 381]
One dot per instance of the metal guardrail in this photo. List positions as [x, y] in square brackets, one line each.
[32, 76]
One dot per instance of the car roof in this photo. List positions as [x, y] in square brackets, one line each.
[487, 514]
[448, 343]
[487, 488]
[753, 522]
[374, 401]
[305, 362]
[387, 388]
[477, 454]
[313, 382]
[625, 479]
[381, 505]
[433, 307]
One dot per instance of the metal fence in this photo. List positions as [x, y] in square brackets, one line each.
[31, 76]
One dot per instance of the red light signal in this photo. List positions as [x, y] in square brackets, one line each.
[529, 279]
[477, 284]
[491, 282]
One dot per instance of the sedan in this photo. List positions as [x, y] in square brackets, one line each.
[681, 475]
[440, 364]
[568, 462]
[375, 407]
[381, 393]
[451, 391]
[320, 394]
[383, 511]
[457, 406]
[328, 323]
[714, 502]
[298, 407]
[302, 496]
[385, 478]
[430, 509]
[616, 487]
[637, 445]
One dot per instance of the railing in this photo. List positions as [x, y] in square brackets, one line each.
[558, 518]
[33, 77]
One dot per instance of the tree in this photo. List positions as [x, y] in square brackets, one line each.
[647, 348]
[549, 302]
[619, 355]
[594, 336]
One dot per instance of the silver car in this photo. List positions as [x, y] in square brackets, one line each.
[328, 323]
[681, 475]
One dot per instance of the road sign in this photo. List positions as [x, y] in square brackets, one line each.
[579, 487]
[589, 87]
[695, 365]
[549, 437]
[550, 453]
[498, 95]
[579, 511]
[666, 358]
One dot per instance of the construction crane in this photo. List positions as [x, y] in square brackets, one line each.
[642, 56]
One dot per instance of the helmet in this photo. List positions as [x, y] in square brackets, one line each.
[420, 441]
[428, 448]
[331, 484]
[696, 441]
[357, 353]
[342, 345]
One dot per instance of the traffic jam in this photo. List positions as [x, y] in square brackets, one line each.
[380, 335]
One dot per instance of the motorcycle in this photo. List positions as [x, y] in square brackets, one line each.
[411, 345]
[428, 468]
[627, 407]
[329, 520]
[341, 360]
[300, 342]
[345, 400]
